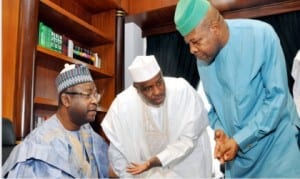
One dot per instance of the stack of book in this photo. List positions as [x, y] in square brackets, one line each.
[62, 44]
[49, 39]
[83, 54]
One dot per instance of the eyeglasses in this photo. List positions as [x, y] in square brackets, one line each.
[96, 96]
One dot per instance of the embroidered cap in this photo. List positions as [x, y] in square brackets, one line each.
[72, 75]
[143, 68]
[189, 13]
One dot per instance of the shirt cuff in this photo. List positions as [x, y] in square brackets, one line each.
[245, 139]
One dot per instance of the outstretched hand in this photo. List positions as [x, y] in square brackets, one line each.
[135, 168]
[226, 148]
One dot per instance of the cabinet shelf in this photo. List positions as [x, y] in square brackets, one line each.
[96, 6]
[56, 61]
[41, 102]
[77, 29]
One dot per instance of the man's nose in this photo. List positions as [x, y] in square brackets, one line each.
[156, 90]
[193, 49]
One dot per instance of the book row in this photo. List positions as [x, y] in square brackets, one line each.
[62, 44]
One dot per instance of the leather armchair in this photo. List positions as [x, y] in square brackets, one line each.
[8, 138]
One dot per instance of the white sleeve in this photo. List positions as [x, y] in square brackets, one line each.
[193, 122]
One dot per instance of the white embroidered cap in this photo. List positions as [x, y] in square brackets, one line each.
[143, 68]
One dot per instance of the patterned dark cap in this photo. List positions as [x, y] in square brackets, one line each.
[72, 75]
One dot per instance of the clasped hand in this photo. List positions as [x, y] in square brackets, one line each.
[226, 148]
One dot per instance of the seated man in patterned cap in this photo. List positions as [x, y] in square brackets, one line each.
[157, 127]
[65, 145]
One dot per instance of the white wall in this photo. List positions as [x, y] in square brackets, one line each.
[134, 45]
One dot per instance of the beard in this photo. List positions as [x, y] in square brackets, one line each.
[79, 118]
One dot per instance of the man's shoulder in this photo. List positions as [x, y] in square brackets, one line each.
[48, 135]
[247, 23]
[49, 129]
[177, 85]
[37, 146]
[175, 81]
[128, 93]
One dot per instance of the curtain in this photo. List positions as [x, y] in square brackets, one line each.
[287, 26]
[173, 56]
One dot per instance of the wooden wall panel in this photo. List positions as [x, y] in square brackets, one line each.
[75, 8]
[156, 16]
[138, 6]
[125, 5]
[10, 18]
[278, 7]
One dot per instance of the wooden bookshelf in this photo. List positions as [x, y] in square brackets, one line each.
[77, 29]
[90, 24]
[92, 29]
[55, 61]
[45, 103]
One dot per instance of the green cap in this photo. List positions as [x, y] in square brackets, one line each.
[189, 13]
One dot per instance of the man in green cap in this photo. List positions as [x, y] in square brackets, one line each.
[242, 67]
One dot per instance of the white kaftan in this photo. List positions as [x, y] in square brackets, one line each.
[182, 143]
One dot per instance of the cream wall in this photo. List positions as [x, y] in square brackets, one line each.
[134, 45]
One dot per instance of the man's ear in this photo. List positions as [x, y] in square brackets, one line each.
[65, 100]
[214, 27]
[136, 86]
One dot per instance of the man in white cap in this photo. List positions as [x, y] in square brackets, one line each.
[157, 127]
[243, 70]
[65, 145]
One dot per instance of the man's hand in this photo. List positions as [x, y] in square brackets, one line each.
[226, 148]
[135, 168]
[230, 149]
[220, 138]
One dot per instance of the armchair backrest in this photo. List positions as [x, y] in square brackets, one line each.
[8, 138]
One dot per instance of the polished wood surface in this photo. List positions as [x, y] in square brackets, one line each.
[277, 7]
[137, 6]
[58, 19]
[96, 6]
[155, 21]
[120, 64]
[27, 38]
[10, 20]
[106, 21]
[55, 61]
[156, 17]
[225, 5]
